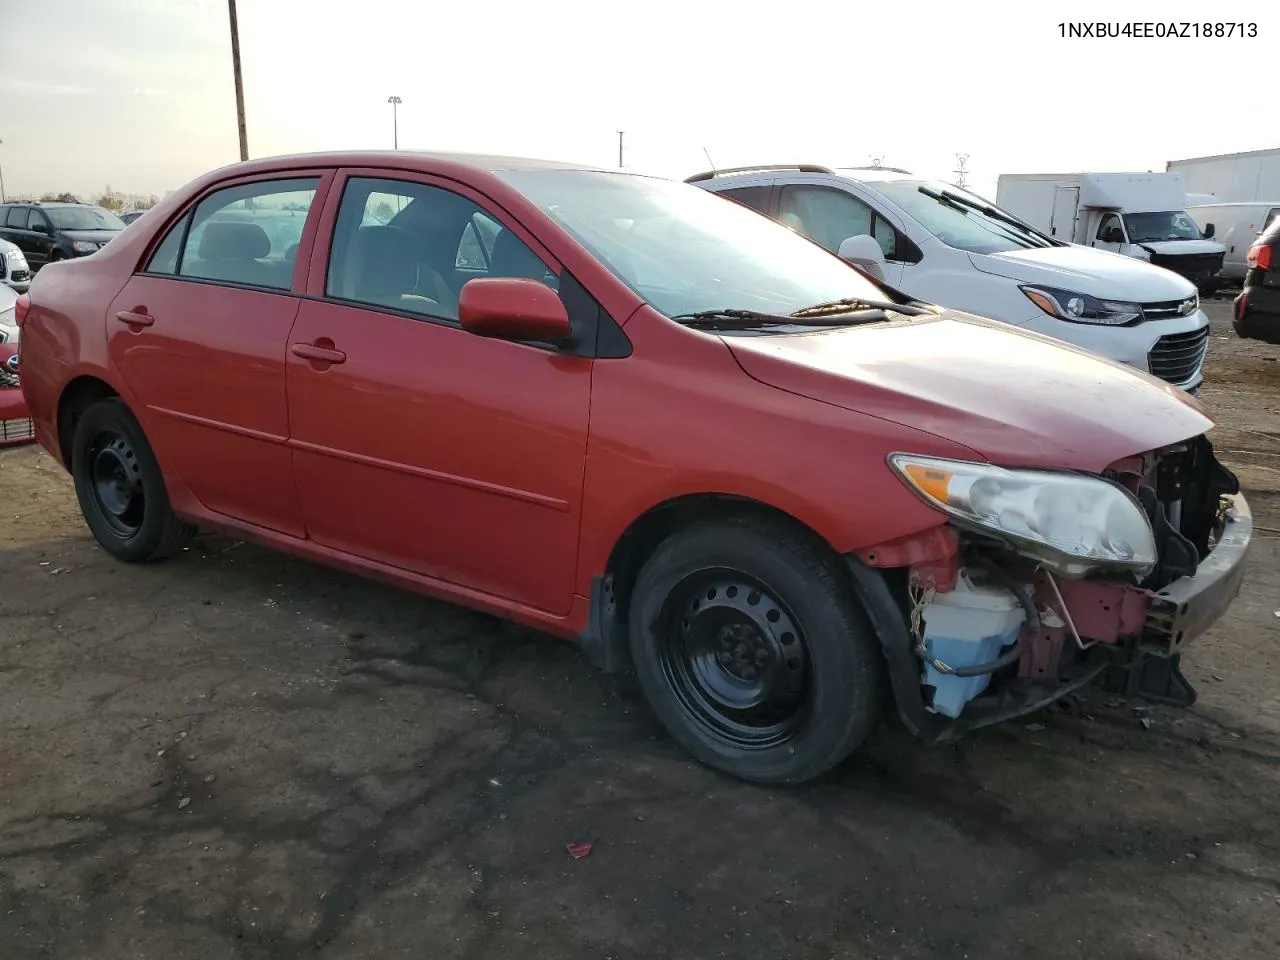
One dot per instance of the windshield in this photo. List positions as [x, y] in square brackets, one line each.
[684, 249]
[1172, 225]
[83, 218]
[968, 230]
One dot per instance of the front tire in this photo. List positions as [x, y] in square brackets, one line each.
[120, 488]
[753, 652]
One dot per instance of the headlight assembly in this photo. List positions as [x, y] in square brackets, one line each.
[1082, 308]
[1072, 524]
[83, 246]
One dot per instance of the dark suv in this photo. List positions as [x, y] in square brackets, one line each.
[57, 231]
[1257, 307]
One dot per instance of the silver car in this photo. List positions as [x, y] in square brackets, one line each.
[14, 271]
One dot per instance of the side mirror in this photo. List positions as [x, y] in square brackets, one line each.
[512, 308]
[865, 252]
[1208, 231]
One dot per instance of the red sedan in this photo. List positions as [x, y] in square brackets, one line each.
[629, 412]
[15, 422]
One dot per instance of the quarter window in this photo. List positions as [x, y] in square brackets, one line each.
[246, 235]
[757, 198]
[417, 259]
[829, 217]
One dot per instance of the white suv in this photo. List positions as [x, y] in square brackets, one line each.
[944, 245]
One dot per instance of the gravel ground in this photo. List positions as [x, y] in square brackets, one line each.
[237, 755]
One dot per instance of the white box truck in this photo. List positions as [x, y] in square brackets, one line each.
[1140, 215]
[1252, 177]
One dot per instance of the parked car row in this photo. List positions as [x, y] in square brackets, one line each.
[783, 489]
[48, 232]
[944, 245]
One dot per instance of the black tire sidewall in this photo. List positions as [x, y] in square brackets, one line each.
[157, 514]
[846, 668]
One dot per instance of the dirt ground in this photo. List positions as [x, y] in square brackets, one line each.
[237, 755]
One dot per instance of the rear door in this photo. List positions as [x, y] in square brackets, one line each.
[416, 444]
[1062, 222]
[200, 335]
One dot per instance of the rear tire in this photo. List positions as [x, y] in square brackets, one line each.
[753, 652]
[120, 488]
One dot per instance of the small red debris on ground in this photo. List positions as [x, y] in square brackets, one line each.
[578, 850]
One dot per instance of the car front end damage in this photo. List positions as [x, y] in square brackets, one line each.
[980, 621]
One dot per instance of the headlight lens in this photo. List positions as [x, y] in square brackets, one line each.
[83, 246]
[1072, 524]
[1082, 308]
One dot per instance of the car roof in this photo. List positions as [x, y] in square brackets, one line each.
[411, 159]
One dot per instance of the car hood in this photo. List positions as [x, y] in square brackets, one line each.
[1099, 273]
[1015, 398]
[97, 236]
[1174, 248]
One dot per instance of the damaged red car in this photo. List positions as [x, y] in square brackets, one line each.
[619, 409]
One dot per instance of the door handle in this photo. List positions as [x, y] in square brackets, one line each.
[135, 319]
[310, 351]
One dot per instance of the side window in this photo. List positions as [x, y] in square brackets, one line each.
[16, 218]
[1271, 216]
[245, 235]
[1109, 222]
[36, 219]
[418, 260]
[829, 217]
[757, 198]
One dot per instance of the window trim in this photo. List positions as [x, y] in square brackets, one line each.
[306, 241]
[905, 250]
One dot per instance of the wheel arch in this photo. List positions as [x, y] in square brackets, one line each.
[605, 637]
[79, 394]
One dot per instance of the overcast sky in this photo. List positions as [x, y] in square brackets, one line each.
[138, 94]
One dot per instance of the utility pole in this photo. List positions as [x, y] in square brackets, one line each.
[235, 66]
[619, 149]
[1, 178]
[395, 122]
[960, 171]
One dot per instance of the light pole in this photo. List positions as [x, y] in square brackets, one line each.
[395, 125]
[1, 178]
[235, 67]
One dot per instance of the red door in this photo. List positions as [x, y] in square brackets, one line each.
[416, 444]
[200, 338]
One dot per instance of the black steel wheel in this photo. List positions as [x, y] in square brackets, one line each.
[120, 487]
[753, 651]
[735, 657]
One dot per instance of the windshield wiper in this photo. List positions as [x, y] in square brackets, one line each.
[964, 204]
[733, 319]
[850, 305]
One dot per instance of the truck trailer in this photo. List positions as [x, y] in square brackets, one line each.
[1252, 177]
[1140, 215]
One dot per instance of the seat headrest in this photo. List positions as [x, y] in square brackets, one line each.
[512, 258]
[233, 240]
[384, 263]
